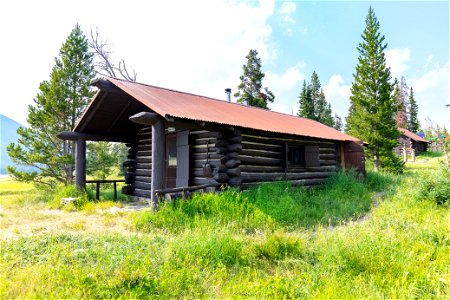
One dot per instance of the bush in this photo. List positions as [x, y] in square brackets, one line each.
[70, 191]
[435, 186]
[389, 162]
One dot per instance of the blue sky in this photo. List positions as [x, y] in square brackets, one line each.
[200, 46]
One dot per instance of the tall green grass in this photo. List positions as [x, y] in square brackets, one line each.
[268, 206]
[252, 244]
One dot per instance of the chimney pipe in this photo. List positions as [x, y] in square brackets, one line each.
[228, 92]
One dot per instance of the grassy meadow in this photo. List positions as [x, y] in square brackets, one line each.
[387, 236]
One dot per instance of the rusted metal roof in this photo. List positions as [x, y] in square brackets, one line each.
[411, 135]
[171, 103]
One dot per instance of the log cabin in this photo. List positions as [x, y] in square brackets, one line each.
[411, 141]
[179, 141]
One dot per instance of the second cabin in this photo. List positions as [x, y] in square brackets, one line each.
[181, 142]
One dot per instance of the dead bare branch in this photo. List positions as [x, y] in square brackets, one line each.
[103, 62]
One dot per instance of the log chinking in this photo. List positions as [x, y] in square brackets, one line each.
[263, 160]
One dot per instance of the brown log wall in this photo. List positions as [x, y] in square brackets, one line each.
[139, 165]
[263, 159]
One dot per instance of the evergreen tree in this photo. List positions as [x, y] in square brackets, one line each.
[372, 111]
[413, 121]
[337, 122]
[250, 89]
[323, 112]
[101, 159]
[401, 99]
[56, 108]
[306, 105]
[312, 102]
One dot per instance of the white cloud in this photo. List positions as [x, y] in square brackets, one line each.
[291, 78]
[431, 91]
[338, 95]
[288, 7]
[195, 46]
[398, 60]
[286, 11]
[286, 87]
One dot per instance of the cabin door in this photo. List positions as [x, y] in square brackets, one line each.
[354, 157]
[171, 161]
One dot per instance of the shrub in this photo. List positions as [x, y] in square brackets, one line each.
[435, 186]
[82, 198]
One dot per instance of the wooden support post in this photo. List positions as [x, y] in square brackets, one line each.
[157, 160]
[115, 190]
[413, 154]
[80, 164]
[342, 157]
[405, 154]
[97, 190]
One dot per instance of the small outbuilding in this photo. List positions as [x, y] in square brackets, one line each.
[409, 142]
[181, 142]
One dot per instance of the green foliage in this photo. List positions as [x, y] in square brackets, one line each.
[70, 191]
[391, 163]
[250, 89]
[372, 109]
[312, 102]
[101, 159]
[413, 121]
[338, 123]
[56, 108]
[435, 186]
[266, 206]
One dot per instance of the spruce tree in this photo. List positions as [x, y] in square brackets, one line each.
[306, 105]
[323, 112]
[312, 102]
[57, 107]
[250, 89]
[372, 110]
[413, 121]
[401, 99]
[337, 122]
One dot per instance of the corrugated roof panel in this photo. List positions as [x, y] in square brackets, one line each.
[177, 104]
[412, 135]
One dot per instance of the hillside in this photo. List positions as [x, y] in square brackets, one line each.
[8, 134]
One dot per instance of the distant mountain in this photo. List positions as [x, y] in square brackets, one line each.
[8, 134]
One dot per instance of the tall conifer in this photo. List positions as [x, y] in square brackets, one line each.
[56, 108]
[413, 121]
[250, 89]
[372, 110]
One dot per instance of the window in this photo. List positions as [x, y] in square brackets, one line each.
[302, 156]
[296, 156]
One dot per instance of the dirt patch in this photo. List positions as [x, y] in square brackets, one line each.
[26, 221]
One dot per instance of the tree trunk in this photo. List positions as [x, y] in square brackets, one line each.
[376, 161]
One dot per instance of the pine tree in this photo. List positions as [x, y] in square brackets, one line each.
[337, 122]
[372, 111]
[56, 108]
[413, 121]
[306, 105]
[323, 112]
[401, 99]
[100, 159]
[250, 89]
[312, 102]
